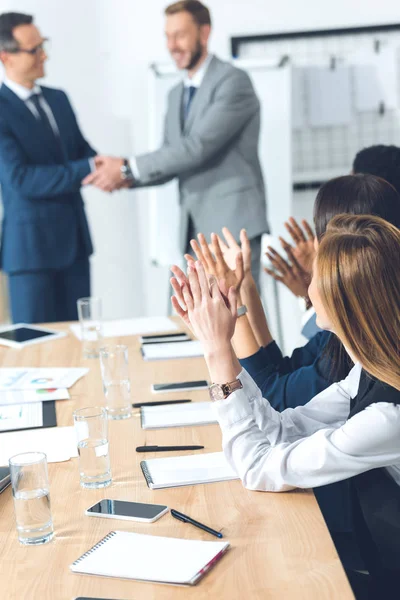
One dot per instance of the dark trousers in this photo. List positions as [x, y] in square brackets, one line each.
[50, 295]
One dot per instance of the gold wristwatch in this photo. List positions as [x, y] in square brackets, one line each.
[222, 391]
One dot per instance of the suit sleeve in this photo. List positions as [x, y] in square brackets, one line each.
[292, 381]
[39, 181]
[233, 105]
[85, 149]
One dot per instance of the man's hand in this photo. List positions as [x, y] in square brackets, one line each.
[107, 175]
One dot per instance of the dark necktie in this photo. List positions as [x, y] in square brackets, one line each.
[45, 122]
[190, 95]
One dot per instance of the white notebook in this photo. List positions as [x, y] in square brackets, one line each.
[177, 415]
[171, 350]
[150, 558]
[187, 470]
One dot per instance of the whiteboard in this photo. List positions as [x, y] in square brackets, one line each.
[273, 87]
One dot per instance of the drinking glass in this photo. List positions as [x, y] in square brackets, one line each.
[89, 313]
[116, 382]
[91, 427]
[30, 489]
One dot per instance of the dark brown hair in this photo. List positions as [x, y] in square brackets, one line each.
[200, 13]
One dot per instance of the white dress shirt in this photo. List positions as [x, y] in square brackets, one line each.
[311, 445]
[188, 82]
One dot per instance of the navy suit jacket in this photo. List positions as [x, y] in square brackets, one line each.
[44, 222]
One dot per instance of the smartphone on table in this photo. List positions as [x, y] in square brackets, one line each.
[129, 511]
[183, 386]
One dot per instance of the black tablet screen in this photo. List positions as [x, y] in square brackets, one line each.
[23, 334]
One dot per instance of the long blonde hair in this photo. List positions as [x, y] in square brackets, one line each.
[358, 266]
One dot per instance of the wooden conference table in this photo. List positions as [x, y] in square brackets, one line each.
[280, 546]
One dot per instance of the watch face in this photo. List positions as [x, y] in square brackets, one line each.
[216, 392]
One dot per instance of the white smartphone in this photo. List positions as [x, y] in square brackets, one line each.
[129, 511]
[183, 386]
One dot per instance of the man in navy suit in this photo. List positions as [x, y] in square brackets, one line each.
[45, 245]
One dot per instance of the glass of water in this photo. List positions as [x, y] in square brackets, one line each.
[91, 427]
[89, 313]
[30, 488]
[116, 382]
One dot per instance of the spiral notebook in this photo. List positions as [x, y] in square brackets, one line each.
[187, 470]
[177, 415]
[150, 558]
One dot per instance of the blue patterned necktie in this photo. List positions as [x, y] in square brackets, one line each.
[190, 95]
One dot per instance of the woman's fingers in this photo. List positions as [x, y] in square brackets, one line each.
[179, 274]
[246, 249]
[209, 262]
[232, 298]
[197, 250]
[187, 297]
[222, 245]
[178, 309]
[308, 230]
[178, 292]
[278, 261]
[194, 285]
[219, 257]
[202, 281]
[296, 227]
[273, 274]
[230, 240]
[239, 271]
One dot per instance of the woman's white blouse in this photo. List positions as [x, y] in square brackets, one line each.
[310, 445]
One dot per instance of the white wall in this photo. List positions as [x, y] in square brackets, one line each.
[100, 53]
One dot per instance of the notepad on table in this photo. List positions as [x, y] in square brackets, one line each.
[187, 470]
[171, 350]
[150, 558]
[177, 415]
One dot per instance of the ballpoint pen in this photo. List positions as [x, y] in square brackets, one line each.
[186, 519]
[166, 448]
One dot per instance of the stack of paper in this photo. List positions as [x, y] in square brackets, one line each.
[58, 443]
[190, 349]
[122, 327]
[177, 415]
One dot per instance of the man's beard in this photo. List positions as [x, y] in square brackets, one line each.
[195, 57]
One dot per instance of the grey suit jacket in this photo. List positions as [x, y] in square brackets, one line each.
[214, 155]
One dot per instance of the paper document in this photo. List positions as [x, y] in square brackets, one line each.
[187, 470]
[21, 416]
[329, 96]
[190, 349]
[129, 555]
[37, 379]
[58, 443]
[122, 327]
[177, 415]
[14, 397]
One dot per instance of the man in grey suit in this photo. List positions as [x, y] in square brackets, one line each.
[211, 136]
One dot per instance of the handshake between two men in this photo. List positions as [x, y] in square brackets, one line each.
[111, 174]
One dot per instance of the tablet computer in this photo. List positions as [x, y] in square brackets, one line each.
[21, 335]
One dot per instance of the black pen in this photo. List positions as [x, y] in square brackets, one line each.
[159, 403]
[166, 448]
[186, 519]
